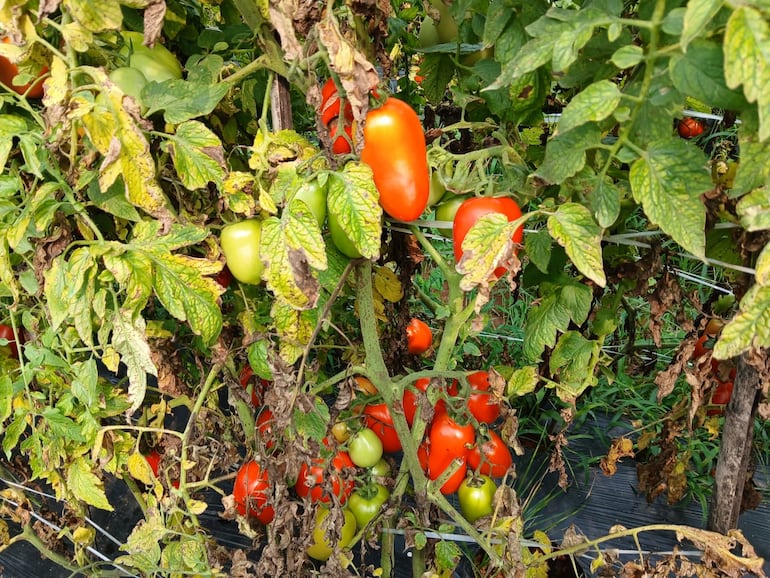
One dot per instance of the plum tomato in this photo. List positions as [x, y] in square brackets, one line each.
[490, 455]
[252, 492]
[241, 244]
[476, 496]
[481, 402]
[311, 479]
[419, 337]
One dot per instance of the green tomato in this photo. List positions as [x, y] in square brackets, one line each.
[157, 63]
[446, 211]
[130, 80]
[428, 35]
[365, 448]
[313, 194]
[437, 189]
[321, 548]
[446, 27]
[340, 239]
[367, 502]
[241, 245]
[381, 469]
[476, 496]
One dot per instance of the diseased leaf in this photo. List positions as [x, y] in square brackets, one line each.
[522, 382]
[697, 16]
[605, 202]
[130, 341]
[573, 227]
[354, 200]
[754, 210]
[198, 155]
[84, 485]
[11, 126]
[96, 16]
[182, 100]
[552, 314]
[668, 180]
[572, 363]
[749, 328]
[313, 424]
[596, 102]
[294, 328]
[565, 153]
[486, 246]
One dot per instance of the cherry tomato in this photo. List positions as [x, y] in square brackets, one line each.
[394, 147]
[475, 208]
[241, 244]
[482, 404]
[251, 492]
[689, 127]
[156, 64]
[6, 332]
[449, 438]
[378, 419]
[490, 456]
[8, 71]
[310, 481]
[476, 496]
[321, 548]
[367, 502]
[419, 337]
[365, 448]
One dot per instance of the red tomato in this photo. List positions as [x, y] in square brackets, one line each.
[8, 71]
[153, 458]
[422, 454]
[438, 463]
[379, 420]
[251, 492]
[258, 388]
[6, 332]
[265, 427]
[310, 481]
[482, 404]
[330, 116]
[419, 337]
[224, 277]
[475, 208]
[410, 399]
[340, 144]
[394, 147]
[449, 439]
[689, 127]
[490, 457]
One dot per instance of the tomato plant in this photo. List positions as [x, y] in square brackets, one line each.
[476, 207]
[490, 455]
[481, 402]
[476, 496]
[378, 419]
[419, 337]
[367, 502]
[9, 71]
[251, 492]
[321, 548]
[241, 244]
[689, 127]
[6, 332]
[365, 448]
[394, 147]
[312, 479]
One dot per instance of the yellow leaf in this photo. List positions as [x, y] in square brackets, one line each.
[140, 469]
[56, 84]
[387, 284]
[196, 507]
[84, 536]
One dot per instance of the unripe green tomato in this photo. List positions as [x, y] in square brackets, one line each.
[130, 80]
[365, 448]
[366, 503]
[476, 497]
[446, 211]
[314, 196]
[241, 244]
[321, 549]
[157, 63]
[437, 189]
[341, 240]
[428, 35]
[446, 27]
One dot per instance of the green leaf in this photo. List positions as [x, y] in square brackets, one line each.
[113, 200]
[596, 102]
[85, 384]
[553, 314]
[532, 56]
[538, 248]
[522, 382]
[754, 210]
[498, 15]
[6, 398]
[354, 200]
[668, 180]
[96, 16]
[182, 286]
[628, 56]
[12, 433]
[182, 100]
[749, 328]
[573, 227]
[290, 246]
[314, 423]
[448, 554]
[700, 74]
[130, 341]
[762, 266]
[294, 329]
[747, 60]
[486, 246]
[198, 155]
[437, 71]
[566, 48]
[565, 153]
[85, 486]
[573, 362]
[697, 16]
[11, 126]
[258, 355]
[605, 202]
